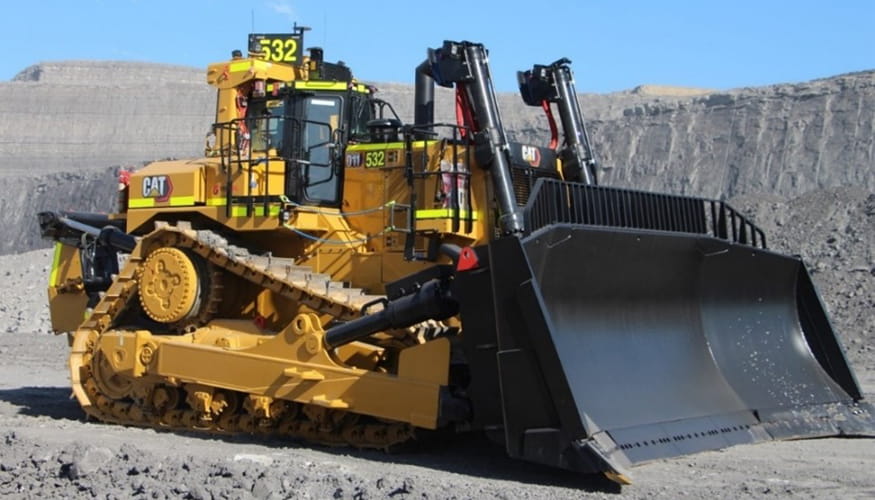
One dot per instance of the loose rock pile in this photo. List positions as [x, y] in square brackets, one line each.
[834, 231]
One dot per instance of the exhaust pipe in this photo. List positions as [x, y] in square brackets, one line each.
[423, 108]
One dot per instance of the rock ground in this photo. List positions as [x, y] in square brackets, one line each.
[48, 450]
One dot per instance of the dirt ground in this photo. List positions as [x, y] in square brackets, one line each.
[49, 450]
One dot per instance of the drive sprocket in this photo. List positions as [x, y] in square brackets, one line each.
[178, 288]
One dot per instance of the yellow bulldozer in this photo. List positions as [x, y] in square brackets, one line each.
[329, 273]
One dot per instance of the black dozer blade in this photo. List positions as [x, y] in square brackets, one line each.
[617, 346]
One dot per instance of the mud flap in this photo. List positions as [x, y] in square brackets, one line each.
[615, 347]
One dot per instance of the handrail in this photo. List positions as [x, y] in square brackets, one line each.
[553, 201]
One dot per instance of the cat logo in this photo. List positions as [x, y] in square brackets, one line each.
[158, 187]
[531, 155]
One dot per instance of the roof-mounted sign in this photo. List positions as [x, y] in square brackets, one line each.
[277, 47]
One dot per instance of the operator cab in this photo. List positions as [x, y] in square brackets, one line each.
[308, 123]
[284, 115]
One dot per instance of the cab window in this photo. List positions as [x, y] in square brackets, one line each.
[322, 118]
[361, 113]
[266, 124]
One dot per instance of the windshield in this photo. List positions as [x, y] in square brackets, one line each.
[322, 117]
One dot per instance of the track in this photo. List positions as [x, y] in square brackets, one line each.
[172, 404]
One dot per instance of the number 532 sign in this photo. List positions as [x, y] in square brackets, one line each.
[283, 48]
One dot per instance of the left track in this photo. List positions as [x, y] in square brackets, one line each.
[172, 404]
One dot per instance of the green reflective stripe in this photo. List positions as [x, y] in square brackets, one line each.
[375, 147]
[56, 265]
[141, 202]
[443, 213]
[314, 85]
[384, 145]
[240, 211]
[187, 201]
[317, 85]
[174, 201]
[247, 64]
[181, 201]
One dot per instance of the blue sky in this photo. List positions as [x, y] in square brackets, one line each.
[614, 44]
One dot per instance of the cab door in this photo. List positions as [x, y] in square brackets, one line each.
[314, 172]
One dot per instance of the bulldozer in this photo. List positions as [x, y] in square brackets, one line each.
[328, 273]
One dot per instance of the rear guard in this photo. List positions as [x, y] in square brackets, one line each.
[615, 347]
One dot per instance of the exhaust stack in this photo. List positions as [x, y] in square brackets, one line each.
[423, 107]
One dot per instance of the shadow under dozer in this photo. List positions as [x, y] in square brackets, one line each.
[615, 346]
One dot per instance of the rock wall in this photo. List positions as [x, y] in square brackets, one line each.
[834, 232]
[25, 195]
[784, 139]
[100, 73]
[65, 123]
[73, 116]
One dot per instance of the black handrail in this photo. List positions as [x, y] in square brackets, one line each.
[553, 201]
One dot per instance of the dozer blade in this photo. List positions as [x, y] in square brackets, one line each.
[614, 347]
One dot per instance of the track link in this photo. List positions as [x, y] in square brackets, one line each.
[171, 405]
